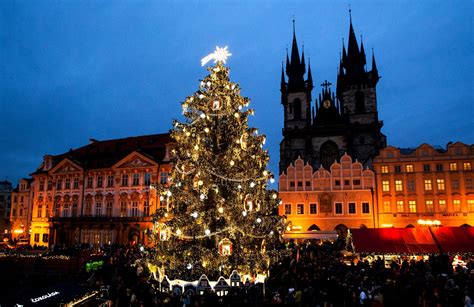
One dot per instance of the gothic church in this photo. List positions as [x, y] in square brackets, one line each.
[340, 122]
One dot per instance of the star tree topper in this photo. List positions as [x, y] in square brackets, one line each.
[219, 55]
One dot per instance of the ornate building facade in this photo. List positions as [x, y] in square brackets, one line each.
[20, 214]
[344, 121]
[101, 193]
[425, 185]
[326, 200]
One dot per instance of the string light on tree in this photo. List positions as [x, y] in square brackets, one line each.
[219, 209]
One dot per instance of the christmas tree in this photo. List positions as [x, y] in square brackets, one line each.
[216, 212]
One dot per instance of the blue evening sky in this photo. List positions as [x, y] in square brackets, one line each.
[74, 70]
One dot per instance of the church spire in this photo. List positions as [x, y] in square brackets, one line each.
[295, 66]
[374, 71]
[362, 52]
[282, 83]
[310, 76]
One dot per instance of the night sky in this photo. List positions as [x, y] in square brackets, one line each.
[75, 70]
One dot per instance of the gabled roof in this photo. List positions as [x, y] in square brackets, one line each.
[105, 154]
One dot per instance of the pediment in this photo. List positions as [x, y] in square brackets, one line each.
[65, 166]
[134, 160]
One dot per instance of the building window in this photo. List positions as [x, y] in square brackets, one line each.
[136, 179]
[409, 168]
[454, 184]
[292, 184]
[365, 208]
[453, 166]
[124, 180]
[287, 209]
[41, 186]
[398, 185]
[466, 166]
[110, 181]
[308, 184]
[146, 208]
[429, 206]
[57, 210]
[100, 181]
[74, 210]
[147, 179]
[428, 185]
[88, 208]
[400, 207]
[37, 237]
[50, 185]
[67, 184]
[123, 208]
[89, 182]
[15, 199]
[13, 212]
[337, 183]
[385, 186]
[426, 167]
[356, 182]
[20, 212]
[109, 208]
[468, 182]
[313, 209]
[59, 184]
[76, 183]
[398, 169]
[387, 206]
[457, 205]
[439, 167]
[134, 208]
[351, 208]
[347, 183]
[412, 206]
[164, 178]
[470, 205]
[411, 186]
[300, 184]
[66, 210]
[98, 209]
[384, 169]
[440, 183]
[442, 205]
[45, 237]
[300, 209]
[338, 208]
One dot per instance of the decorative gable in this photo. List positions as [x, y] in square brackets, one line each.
[65, 166]
[134, 160]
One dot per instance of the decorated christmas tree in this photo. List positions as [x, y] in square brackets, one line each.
[216, 214]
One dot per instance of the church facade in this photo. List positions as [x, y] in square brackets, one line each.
[341, 121]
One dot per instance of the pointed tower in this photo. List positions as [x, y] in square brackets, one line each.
[296, 101]
[356, 91]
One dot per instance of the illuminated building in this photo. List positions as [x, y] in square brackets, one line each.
[20, 213]
[425, 186]
[100, 193]
[325, 200]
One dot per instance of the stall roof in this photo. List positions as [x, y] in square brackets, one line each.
[455, 239]
[394, 240]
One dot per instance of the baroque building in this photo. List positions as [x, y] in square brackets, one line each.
[425, 185]
[20, 213]
[337, 122]
[327, 200]
[101, 193]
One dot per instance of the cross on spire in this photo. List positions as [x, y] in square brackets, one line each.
[326, 84]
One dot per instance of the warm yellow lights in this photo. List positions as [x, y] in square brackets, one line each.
[178, 232]
[387, 225]
[429, 222]
[18, 231]
[221, 210]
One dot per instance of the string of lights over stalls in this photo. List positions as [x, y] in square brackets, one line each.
[217, 214]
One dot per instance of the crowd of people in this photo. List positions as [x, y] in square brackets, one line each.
[314, 274]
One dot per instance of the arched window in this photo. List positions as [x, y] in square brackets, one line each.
[328, 153]
[297, 108]
[314, 227]
[359, 102]
[290, 108]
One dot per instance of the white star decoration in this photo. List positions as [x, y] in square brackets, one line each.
[219, 55]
